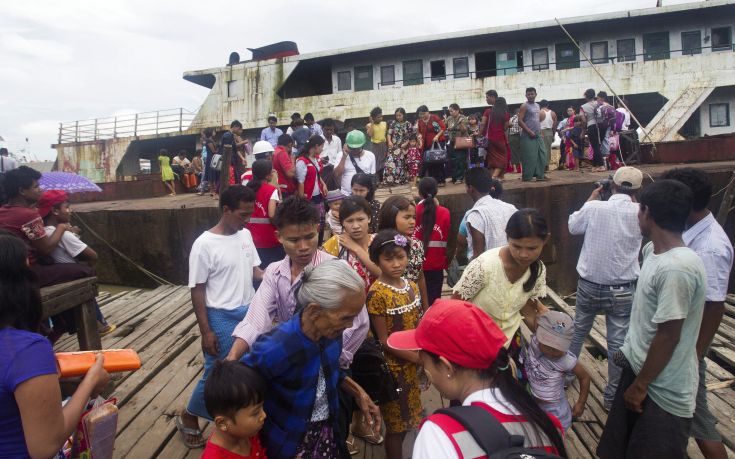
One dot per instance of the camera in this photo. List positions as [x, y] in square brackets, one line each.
[606, 185]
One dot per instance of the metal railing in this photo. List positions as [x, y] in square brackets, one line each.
[138, 124]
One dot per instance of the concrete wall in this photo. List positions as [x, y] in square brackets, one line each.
[724, 95]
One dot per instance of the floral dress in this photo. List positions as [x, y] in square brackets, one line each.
[415, 260]
[395, 171]
[401, 309]
[413, 162]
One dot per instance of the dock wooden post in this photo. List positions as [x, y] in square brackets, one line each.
[87, 333]
[78, 295]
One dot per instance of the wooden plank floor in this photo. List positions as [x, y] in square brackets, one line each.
[161, 326]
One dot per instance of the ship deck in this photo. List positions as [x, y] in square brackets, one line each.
[160, 325]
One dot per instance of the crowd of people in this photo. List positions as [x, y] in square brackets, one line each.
[320, 308]
[402, 151]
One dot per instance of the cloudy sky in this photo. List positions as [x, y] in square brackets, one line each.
[82, 59]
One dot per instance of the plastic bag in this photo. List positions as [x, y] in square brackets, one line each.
[95, 435]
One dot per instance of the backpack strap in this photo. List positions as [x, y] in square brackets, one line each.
[487, 431]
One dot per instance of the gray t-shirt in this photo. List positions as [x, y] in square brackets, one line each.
[531, 118]
[589, 111]
[671, 286]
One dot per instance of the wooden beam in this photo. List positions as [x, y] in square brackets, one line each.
[62, 297]
[86, 321]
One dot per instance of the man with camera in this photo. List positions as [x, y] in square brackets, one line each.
[608, 265]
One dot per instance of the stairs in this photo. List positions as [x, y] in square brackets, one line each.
[672, 116]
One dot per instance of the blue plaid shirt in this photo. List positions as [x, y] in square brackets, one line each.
[290, 361]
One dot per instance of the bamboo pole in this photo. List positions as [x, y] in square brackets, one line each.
[645, 131]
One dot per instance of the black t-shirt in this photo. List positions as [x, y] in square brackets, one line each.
[228, 138]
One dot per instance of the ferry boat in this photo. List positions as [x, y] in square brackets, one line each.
[674, 65]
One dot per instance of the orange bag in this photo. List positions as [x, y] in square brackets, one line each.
[78, 363]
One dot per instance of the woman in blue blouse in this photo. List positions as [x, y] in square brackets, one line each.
[300, 361]
[32, 421]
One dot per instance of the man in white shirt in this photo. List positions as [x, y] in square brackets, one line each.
[707, 238]
[352, 160]
[626, 120]
[222, 266]
[6, 162]
[608, 265]
[332, 144]
[487, 219]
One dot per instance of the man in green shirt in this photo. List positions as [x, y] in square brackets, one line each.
[652, 412]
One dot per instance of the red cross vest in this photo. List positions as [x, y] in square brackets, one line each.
[260, 226]
[466, 446]
[312, 177]
[436, 252]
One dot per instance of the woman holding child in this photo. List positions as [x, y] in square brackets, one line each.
[395, 164]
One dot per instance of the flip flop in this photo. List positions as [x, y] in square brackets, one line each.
[370, 438]
[351, 448]
[188, 431]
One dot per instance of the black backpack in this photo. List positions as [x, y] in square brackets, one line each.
[491, 436]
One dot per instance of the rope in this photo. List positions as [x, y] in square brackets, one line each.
[158, 279]
[615, 95]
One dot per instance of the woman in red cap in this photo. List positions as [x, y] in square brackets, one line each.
[476, 370]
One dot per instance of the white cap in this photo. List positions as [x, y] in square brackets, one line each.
[628, 177]
[262, 146]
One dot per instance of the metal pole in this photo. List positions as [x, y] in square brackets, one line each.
[181, 118]
[135, 127]
[156, 122]
[95, 129]
[61, 130]
[608, 85]
[76, 131]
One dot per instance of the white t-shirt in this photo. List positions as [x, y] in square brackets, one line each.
[490, 217]
[8, 164]
[626, 120]
[332, 150]
[225, 264]
[69, 246]
[366, 162]
[176, 161]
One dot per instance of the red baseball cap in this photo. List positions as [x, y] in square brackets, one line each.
[49, 199]
[456, 330]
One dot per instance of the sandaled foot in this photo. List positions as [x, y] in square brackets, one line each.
[372, 438]
[351, 448]
[106, 329]
[192, 437]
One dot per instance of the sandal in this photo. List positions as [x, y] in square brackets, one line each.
[106, 329]
[187, 432]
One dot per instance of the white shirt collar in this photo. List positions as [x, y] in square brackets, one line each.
[694, 231]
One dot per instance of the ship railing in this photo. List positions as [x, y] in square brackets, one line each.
[133, 125]
[560, 64]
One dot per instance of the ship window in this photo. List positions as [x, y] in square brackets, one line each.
[344, 81]
[438, 70]
[721, 39]
[363, 78]
[626, 50]
[719, 115]
[540, 59]
[691, 42]
[598, 50]
[234, 89]
[413, 72]
[567, 56]
[656, 46]
[461, 67]
[387, 75]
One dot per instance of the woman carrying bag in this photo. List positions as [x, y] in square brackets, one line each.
[431, 129]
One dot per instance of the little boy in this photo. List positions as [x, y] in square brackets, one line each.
[53, 206]
[546, 359]
[334, 200]
[233, 395]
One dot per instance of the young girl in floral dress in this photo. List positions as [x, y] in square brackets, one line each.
[413, 159]
[394, 304]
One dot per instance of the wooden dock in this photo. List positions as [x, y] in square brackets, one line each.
[161, 326]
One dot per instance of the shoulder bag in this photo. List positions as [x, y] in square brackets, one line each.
[359, 170]
[436, 154]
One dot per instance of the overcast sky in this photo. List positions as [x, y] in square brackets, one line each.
[82, 59]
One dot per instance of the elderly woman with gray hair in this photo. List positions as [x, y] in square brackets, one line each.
[300, 361]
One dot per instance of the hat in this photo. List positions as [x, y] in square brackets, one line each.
[262, 147]
[49, 199]
[629, 177]
[456, 330]
[555, 329]
[355, 139]
[335, 195]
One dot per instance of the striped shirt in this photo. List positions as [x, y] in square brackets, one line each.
[275, 302]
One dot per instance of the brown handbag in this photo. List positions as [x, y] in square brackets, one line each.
[462, 143]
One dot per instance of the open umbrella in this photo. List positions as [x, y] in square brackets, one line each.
[66, 181]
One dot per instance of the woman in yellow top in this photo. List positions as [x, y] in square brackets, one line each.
[377, 130]
[352, 245]
[507, 281]
[167, 174]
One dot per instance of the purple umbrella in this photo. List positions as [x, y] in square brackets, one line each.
[67, 181]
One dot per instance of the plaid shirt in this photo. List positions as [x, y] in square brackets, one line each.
[289, 361]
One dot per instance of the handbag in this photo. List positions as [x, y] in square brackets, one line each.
[371, 372]
[436, 154]
[462, 143]
[216, 161]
